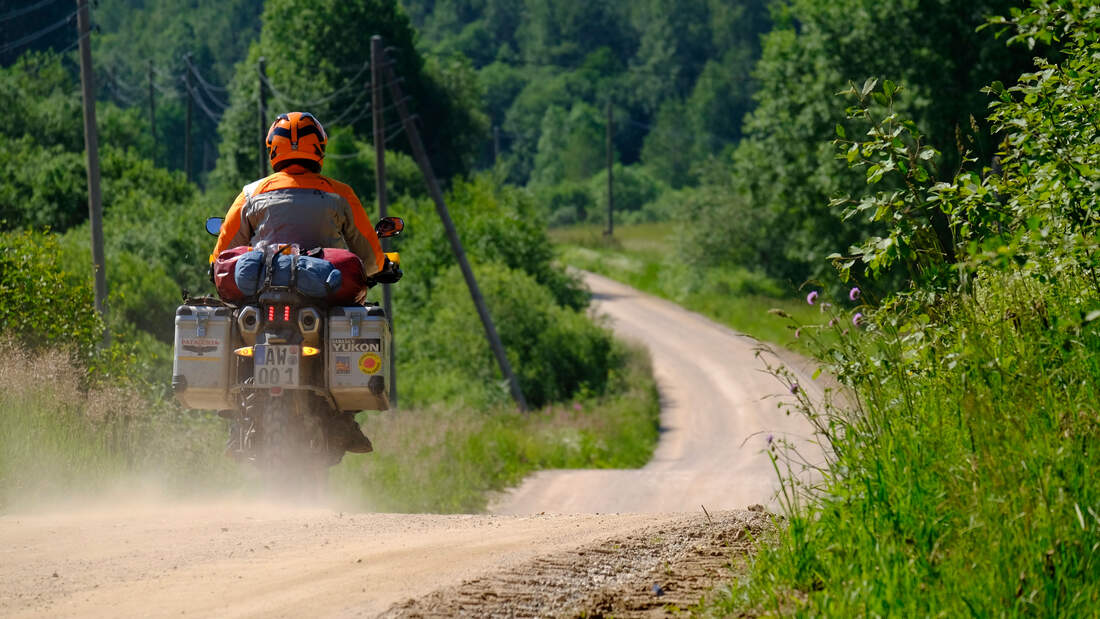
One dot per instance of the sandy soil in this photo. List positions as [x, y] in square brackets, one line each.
[546, 552]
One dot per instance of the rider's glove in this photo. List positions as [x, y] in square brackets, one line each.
[391, 273]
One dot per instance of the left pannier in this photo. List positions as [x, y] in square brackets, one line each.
[203, 350]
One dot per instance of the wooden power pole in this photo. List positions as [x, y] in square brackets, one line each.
[187, 118]
[610, 172]
[261, 101]
[452, 235]
[152, 113]
[377, 57]
[91, 153]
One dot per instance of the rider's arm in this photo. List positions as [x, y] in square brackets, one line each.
[234, 233]
[359, 234]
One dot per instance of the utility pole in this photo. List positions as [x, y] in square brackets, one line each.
[152, 113]
[496, 144]
[610, 176]
[91, 153]
[376, 60]
[261, 69]
[452, 235]
[187, 119]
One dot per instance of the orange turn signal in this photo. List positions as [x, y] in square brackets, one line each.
[245, 351]
[309, 351]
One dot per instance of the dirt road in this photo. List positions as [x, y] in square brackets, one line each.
[239, 559]
[718, 412]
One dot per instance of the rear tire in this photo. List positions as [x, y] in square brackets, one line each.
[291, 447]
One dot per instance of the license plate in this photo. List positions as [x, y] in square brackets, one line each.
[276, 365]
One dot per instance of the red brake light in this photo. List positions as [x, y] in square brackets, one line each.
[270, 313]
[286, 313]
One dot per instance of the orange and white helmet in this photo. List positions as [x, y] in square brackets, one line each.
[296, 136]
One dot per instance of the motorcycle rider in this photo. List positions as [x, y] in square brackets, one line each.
[297, 204]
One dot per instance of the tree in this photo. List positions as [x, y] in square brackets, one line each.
[317, 54]
[787, 165]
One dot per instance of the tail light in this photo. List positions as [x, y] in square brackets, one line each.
[279, 313]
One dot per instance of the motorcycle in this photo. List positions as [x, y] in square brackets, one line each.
[284, 364]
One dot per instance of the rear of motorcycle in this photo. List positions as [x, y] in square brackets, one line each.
[284, 414]
[281, 371]
[282, 367]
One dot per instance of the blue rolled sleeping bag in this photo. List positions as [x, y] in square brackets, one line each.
[316, 277]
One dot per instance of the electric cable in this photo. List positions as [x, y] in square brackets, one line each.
[348, 85]
[36, 35]
[356, 105]
[215, 118]
[24, 10]
[205, 83]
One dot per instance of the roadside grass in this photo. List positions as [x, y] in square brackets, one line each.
[965, 478]
[644, 257]
[58, 441]
[452, 459]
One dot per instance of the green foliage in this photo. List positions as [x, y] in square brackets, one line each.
[556, 351]
[59, 441]
[638, 255]
[786, 167]
[497, 223]
[40, 306]
[217, 34]
[449, 458]
[351, 160]
[961, 456]
[570, 145]
[634, 189]
[315, 71]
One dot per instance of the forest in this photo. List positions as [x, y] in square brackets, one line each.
[922, 172]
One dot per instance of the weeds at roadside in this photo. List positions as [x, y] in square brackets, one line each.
[451, 459]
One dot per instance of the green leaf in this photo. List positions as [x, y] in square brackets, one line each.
[868, 86]
[840, 131]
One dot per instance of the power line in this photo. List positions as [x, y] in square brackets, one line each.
[205, 83]
[391, 132]
[202, 105]
[36, 35]
[352, 82]
[24, 10]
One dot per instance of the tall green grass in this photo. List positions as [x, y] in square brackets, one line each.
[965, 478]
[58, 440]
[452, 459]
[644, 256]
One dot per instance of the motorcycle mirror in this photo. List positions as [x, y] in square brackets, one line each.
[214, 225]
[389, 226]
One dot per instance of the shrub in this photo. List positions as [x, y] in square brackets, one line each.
[557, 352]
[41, 304]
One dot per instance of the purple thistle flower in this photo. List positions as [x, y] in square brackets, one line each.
[770, 439]
[832, 322]
[810, 298]
[794, 388]
[576, 406]
[854, 293]
[858, 318]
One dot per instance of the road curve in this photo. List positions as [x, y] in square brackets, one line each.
[718, 410]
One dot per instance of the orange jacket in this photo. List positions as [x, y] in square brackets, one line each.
[299, 206]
